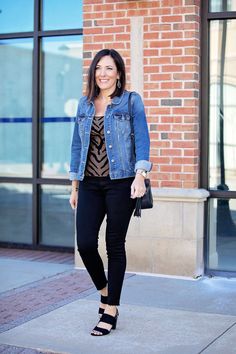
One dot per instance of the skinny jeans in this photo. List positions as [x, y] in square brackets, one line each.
[100, 197]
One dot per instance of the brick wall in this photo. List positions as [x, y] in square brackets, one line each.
[171, 76]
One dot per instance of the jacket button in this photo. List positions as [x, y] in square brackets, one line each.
[112, 160]
[108, 131]
[110, 146]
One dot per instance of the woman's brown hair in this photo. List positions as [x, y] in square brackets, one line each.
[92, 89]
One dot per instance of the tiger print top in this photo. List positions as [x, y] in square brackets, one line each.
[97, 160]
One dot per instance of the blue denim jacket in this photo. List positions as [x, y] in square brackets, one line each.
[123, 161]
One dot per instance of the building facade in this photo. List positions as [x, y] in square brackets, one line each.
[180, 56]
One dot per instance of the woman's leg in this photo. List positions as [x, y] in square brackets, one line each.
[90, 214]
[119, 207]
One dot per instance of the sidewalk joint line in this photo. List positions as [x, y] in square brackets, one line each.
[214, 340]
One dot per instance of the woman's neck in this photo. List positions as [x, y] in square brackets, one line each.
[104, 96]
[104, 99]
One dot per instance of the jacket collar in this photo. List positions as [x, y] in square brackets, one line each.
[117, 100]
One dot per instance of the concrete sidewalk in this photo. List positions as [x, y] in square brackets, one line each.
[48, 306]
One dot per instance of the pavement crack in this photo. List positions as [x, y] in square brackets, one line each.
[214, 340]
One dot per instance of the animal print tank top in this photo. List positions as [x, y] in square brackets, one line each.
[97, 160]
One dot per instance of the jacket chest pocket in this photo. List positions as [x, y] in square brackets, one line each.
[122, 123]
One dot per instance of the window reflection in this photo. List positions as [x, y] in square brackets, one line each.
[222, 230]
[16, 213]
[61, 89]
[62, 14]
[222, 159]
[222, 5]
[57, 216]
[15, 107]
[11, 21]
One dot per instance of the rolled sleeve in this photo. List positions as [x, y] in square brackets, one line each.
[73, 176]
[143, 165]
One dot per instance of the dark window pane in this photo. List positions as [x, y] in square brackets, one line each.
[222, 232]
[15, 107]
[222, 157]
[62, 14]
[16, 16]
[16, 213]
[57, 216]
[61, 88]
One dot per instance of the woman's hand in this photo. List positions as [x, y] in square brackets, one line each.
[74, 199]
[138, 188]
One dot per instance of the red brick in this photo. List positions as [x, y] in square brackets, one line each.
[160, 160]
[137, 12]
[185, 160]
[150, 35]
[150, 52]
[114, 29]
[114, 14]
[122, 21]
[104, 22]
[160, 77]
[171, 19]
[103, 7]
[172, 68]
[171, 52]
[171, 152]
[170, 168]
[171, 85]
[104, 38]
[173, 34]
[184, 144]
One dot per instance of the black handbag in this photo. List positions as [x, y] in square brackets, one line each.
[145, 202]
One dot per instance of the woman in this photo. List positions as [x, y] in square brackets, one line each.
[109, 175]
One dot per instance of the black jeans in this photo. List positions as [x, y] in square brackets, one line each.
[100, 196]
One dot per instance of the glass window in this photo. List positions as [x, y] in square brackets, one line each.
[222, 231]
[16, 213]
[222, 5]
[15, 107]
[57, 223]
[16, 16]
[61, 87]
[62, 14]
[222, 158]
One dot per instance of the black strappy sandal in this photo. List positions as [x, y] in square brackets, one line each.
[103, 301]
[112, 320]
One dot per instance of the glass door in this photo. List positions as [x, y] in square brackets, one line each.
[221, 141]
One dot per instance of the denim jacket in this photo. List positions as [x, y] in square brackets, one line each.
[125, 156]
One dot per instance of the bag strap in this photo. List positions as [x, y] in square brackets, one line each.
[131, 117]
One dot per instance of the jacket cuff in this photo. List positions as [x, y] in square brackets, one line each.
[143, 165]
[73, 176]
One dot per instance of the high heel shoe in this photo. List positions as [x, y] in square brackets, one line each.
[112, 320]
[103, 301]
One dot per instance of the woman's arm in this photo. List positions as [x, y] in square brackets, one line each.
[141, 134]
[74, 163]
[142, 146]
[74, 194]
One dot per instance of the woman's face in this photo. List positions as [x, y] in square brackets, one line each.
[106, 74]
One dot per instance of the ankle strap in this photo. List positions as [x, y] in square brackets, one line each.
[104, 299]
